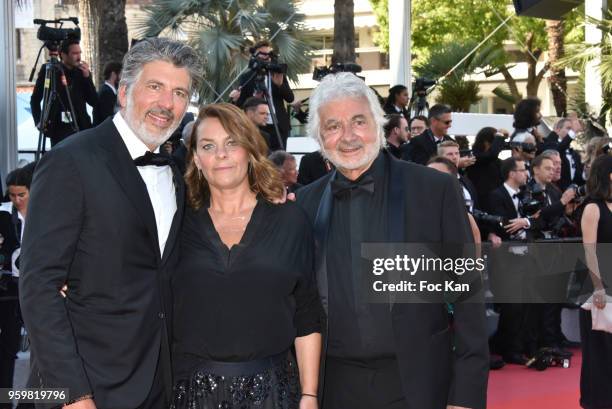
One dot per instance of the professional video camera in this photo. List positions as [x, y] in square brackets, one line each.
[418, 101]
[524, 146]
[53, 36]
[263, 67]
[532, 198]
[320, 72]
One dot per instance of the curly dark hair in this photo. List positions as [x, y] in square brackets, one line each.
[526, 113]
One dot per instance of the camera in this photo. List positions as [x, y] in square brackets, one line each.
[486, 218]
[547, 357]
[52, 37]
[421, 85]
[263, 67]
[580, 190]
[532, 198]
[465, 152]
[524, 146]
[320, 72]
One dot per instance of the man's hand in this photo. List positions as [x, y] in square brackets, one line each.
[235, 95]
[495, 240]
[466, 161]
[84, 69]
[516, 224]
[504, 133]
[568, 196]
[278, 78]
[82, 404]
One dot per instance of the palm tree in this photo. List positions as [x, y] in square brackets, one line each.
[344, 31]
[105, 32]
[222, 31]
[557, 77]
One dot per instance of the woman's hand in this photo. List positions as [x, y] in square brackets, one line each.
[599, 299]
[308, 402]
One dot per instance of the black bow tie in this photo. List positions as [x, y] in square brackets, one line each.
[343, 186]
[155, 159]
[515, 196]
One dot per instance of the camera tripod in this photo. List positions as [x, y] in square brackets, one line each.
[53, 71]
[418, 105]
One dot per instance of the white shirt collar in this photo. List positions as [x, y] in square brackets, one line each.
[111, 87]
[510, 189]
[134, 145]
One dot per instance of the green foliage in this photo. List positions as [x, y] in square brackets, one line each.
[381, 10]
[458, 93]
[223, 30]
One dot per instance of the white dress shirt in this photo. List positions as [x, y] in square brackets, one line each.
[158, 180]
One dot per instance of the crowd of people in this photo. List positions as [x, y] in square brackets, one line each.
[208, 272]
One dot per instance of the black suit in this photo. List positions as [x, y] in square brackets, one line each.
[552, 142]
[91, 225]
[423, 147]
[107, 100]
[312, 167]
[280, 95]
[82, 91]
[431, 372]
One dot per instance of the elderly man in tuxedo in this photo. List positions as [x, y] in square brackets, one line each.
[408, 356]
[104, 213]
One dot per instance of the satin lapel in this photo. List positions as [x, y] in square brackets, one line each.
[321, 230]
[395, 208]
[179, 187]
[122, 167]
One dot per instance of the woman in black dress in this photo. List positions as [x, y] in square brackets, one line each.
[596, 374]
[244, 290]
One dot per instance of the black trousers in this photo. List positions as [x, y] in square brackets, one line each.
[362, 385]
[10, 334]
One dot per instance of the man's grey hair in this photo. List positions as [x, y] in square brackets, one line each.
[280, 157]
[343, 85]
[522, 137]
[549, 153]
[160, 49]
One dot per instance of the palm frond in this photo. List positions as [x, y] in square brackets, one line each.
[503, 93]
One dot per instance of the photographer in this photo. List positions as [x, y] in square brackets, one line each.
[12, 221]
[524, 148]
[485, 174]
[560, 139]
[75, 80]
[276, 85]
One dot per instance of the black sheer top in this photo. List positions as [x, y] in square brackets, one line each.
[249, 302]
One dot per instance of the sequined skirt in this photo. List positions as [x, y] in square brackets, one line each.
[270, 383]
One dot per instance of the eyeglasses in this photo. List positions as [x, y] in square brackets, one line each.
[229, 146]
[334, 127]
[417, 129]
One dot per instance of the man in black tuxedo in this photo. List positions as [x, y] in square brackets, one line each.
[107, 95]
[379, 355]
[572, 167]
[258, 112]
[424, 146]
[113, 244]
[504, 201]
[277, 86]
[75, 81]
[450, 150]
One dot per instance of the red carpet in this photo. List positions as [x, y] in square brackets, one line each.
[517, 387]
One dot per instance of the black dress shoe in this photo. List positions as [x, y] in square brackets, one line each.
[496, 363]
[516, 358]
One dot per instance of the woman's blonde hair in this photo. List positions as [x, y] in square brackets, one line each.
[263, 176]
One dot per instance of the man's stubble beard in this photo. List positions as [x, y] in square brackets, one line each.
[139, 127]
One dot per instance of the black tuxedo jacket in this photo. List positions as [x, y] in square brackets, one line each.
[438, 365]
[552, 142]
[423, 147]
[91, 225]
[280, 95]
[467, 183]
[82, 91]
[312, 167]
[107, 100]
[11, 240]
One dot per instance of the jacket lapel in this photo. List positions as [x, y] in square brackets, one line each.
[321, 230]
[122, 167]
[179, 187]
